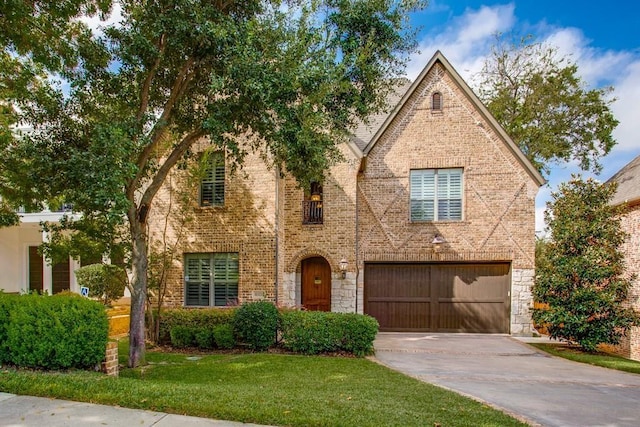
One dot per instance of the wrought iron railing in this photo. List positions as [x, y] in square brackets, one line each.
[311, 212]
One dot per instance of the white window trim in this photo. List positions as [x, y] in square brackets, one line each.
[435, 195]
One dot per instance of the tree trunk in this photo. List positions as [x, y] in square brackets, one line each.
[139, 290]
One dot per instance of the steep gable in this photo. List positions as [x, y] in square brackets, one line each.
[438, 59]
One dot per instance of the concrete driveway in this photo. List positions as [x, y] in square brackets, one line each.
[510, 375]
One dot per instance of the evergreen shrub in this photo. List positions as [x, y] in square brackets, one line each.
[256, 324]
[54, 332]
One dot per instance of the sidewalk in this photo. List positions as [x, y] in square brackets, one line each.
[28, 411]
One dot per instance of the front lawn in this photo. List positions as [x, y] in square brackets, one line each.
[264, 388]
[604, 360]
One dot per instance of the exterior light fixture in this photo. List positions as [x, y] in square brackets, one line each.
[437, 241]
[343, 267]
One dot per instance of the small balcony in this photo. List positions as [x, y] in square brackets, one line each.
[312, 211]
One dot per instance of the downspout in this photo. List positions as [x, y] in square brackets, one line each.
[357, 245]
[277, 231]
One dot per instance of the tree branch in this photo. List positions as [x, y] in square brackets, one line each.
[169, 163]
[180, 85]
[144, 96]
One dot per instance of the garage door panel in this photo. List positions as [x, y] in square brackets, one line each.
[401, 316]
[472, 317]
[399, 281]
[439, 297]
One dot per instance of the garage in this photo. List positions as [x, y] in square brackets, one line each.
[438, 297]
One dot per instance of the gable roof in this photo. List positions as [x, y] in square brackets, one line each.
[384, 121]
[628, 179]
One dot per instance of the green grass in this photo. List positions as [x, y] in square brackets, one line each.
[266, 388]
[604, 360]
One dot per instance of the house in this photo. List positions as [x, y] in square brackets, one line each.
[427, 224]
[628, 193]
[22, 268]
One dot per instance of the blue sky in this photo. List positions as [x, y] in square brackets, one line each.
[603, 38]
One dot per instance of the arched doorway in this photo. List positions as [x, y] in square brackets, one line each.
[316, 284]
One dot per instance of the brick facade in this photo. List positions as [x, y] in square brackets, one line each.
[366, 208]
[630, 345]
[498, 194]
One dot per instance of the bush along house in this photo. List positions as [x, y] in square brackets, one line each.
[427, 224]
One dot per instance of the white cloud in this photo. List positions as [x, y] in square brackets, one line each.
[627, 90]
[466, 40]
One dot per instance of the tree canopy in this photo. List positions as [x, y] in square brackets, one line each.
[581, 271]
[113, 111]
[544, 106]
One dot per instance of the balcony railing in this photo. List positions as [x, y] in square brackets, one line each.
[311, 212]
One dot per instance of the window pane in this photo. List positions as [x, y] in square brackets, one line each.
[212, 184]
[197, 279]
[422, 189]
[226, 272]
[436, 194]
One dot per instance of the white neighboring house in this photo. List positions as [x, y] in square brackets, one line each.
[22, 269]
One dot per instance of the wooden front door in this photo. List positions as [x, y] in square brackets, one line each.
[316, 284]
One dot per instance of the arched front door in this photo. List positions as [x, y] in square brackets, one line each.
[316, 284]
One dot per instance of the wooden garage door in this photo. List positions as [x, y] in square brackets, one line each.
[438, 297]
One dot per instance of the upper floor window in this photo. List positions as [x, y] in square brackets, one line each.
[212, 183]
[436, 194]
[312, 205]
[211, 279]
[436, 101]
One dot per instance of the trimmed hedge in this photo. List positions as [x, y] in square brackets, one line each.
[52, 332]
[256, 324]
[193, 318]
[314, 332]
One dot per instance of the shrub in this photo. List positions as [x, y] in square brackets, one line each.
[223, 335]
[104, 281]
[195, 318]
[314, 332]
[6, 302]
[183, 336]
[358, 333]
[256, 324]
[308, 332]
[204, 338]
[58, 332]
[581, 284]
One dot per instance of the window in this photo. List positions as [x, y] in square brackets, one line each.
[436, 101]
[436, 194]
[212, 183]
[211, 279]
[312, 205]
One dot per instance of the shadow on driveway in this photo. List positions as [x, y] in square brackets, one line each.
[510, 375]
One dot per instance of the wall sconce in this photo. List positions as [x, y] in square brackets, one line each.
[437, 242]
[343, 267]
